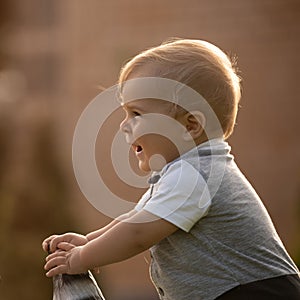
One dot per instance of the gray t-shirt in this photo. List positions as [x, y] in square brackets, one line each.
[226, 237]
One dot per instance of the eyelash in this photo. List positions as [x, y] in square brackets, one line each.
[132, 113]
[136, 114]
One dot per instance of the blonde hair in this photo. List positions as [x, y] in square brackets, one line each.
[198, 64]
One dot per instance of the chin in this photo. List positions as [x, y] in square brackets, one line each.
[144, 166]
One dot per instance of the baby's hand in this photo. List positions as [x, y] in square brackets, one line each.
[65, 261]
[51, 244]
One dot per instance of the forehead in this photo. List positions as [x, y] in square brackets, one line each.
[146, 88]
[146, 104]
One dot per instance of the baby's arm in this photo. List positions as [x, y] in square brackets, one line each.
[94, 234]
[124, 240]
[51, 243]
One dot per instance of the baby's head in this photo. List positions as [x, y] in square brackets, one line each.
[198, 64]
[193, 63]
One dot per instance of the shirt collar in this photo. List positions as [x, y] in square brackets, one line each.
[216, 146]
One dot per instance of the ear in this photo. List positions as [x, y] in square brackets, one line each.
[195, 122]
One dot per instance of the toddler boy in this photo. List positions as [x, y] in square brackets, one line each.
[209, 235]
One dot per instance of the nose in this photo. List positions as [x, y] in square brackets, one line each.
[124, 126]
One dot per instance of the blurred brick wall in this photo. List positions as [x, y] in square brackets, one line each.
[64, 50]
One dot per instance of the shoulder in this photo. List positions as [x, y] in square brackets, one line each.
[180, 196]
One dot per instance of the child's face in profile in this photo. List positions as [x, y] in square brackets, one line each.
[149, 126]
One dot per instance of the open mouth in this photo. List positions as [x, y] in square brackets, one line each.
[137, 149]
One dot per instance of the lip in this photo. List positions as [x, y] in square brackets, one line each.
[137, 149]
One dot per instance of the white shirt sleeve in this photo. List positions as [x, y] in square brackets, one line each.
[180, 196]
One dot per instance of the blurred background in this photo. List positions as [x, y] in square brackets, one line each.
[56, 55]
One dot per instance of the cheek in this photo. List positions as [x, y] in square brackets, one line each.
[154, 143]
[140, 129]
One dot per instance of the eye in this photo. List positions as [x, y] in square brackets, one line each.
[136, 114]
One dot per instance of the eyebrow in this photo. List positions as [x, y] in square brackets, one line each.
[130, 106]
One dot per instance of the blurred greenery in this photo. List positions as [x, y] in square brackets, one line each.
[30, 211]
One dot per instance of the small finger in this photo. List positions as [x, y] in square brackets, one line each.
[53, 243]
[65, 246]
[55, 262]
[55, 254]
[45, 246]
[57, 270]
[46, 242]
